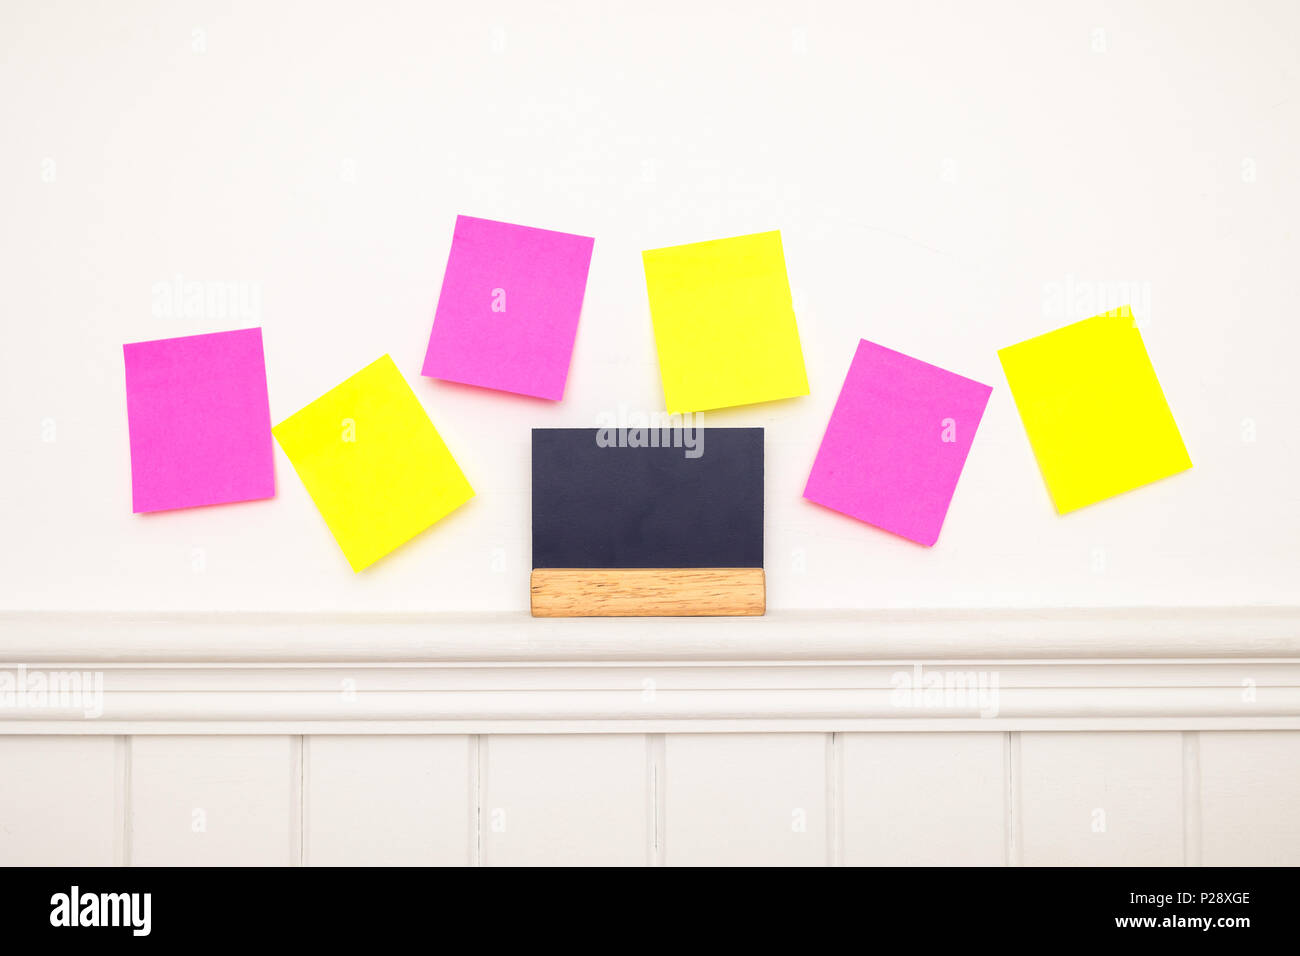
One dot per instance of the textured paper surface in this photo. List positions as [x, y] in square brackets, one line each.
[373, 463]
[199, 421]
[896, 443]
[508, 311]
[723, 321]
[1094, 410]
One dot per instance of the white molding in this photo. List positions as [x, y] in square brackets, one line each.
[1055, 634]
[1186, 669]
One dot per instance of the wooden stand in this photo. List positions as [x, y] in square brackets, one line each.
[648, 592]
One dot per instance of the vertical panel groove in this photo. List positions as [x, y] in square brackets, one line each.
[478, 745]
[304, 828]
[834, 799]
[297, 796]
[122, 792]
[656, 749]
[1014, 823]
[1191, 798]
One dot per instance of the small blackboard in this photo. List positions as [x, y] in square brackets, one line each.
[648, 499]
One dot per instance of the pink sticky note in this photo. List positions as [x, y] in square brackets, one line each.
[199, 420]
[896, 442]
[509, 306]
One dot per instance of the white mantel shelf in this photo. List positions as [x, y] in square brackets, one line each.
[1137, 669]
[894, 635]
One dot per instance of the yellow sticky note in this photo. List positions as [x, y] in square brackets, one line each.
[373, 463]
[724, 325]
[1094, 411]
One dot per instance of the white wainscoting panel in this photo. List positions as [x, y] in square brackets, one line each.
[1129, 737]
[1250, 798]
[395, 800]
[923, 799]
[1111, 799]
[60, 801]
[215, 801]
[565, 799]
[1080, 798]
[745, 799]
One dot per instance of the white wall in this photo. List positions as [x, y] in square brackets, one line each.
[323, 154]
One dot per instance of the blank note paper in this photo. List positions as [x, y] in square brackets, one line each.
[896, 443]
[1093, 409]
[199, 421]
[509, 307]
[724, 324]
[373, 463]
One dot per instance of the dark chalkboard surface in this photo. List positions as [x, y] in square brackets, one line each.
[647, 507]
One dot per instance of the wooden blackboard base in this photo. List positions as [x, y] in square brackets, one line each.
[648, 592]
